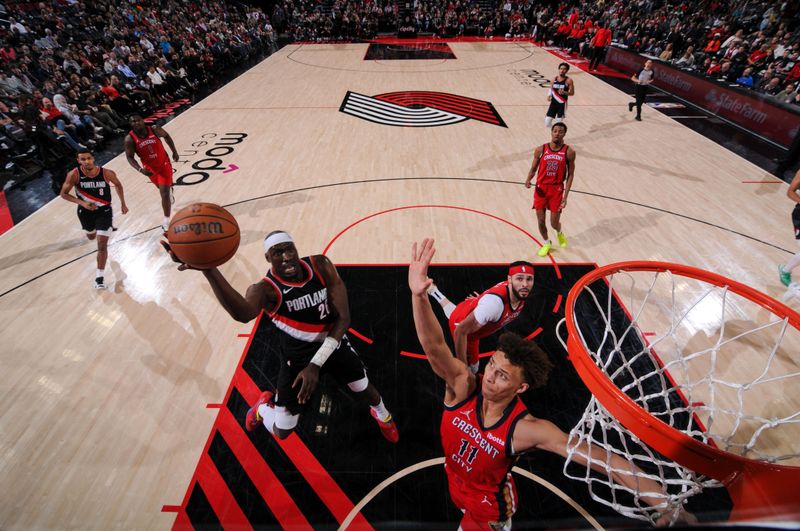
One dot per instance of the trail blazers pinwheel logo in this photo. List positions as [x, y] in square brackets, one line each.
[419, 109]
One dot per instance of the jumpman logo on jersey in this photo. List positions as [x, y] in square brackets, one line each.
[467, 413]
[486, 500]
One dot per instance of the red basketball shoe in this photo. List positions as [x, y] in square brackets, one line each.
[252, 420]
[388, 428]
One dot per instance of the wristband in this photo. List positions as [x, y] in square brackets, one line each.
[324, 352]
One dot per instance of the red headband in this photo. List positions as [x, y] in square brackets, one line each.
[524, 269]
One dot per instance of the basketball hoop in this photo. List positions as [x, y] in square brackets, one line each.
[695, 379]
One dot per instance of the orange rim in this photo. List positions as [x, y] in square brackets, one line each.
[752, 484]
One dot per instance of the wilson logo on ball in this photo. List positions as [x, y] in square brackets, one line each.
[419, 109]
[204, 227]
[203, 235]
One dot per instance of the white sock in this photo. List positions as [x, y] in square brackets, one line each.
[792, 263]
[381, 412]
[100, 273]
[268, 416]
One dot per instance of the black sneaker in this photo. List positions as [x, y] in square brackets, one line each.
[639, 118]
[630, 107]
[98, 283]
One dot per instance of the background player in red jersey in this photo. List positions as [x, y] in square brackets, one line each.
[485, 426]
[307, 302]
[481, 316]
[144, 141]
[555, 162]
[93, 197]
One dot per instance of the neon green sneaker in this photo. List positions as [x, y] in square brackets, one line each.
[562, 240]
[786, 276]
[545, 249]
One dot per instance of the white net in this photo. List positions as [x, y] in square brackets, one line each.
[701, 358]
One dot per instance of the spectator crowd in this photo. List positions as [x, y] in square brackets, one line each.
[752, 43]
[73, 72]
[755, 44]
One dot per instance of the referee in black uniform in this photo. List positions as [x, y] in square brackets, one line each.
[642, 81]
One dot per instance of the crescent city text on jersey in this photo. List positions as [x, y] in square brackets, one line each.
[308, 300]
[475, 434]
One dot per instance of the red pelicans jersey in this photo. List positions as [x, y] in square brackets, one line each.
[95, 189]
[150, 150]
[302, 311]
[552, 166]
[509, 314]
[478, 460]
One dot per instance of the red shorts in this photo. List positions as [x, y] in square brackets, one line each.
[481, 510]
[161, 176]
[548, 196]
[473, 343]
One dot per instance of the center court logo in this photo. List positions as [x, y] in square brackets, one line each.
[419, 109]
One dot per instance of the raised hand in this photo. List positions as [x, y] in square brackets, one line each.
[418, 280]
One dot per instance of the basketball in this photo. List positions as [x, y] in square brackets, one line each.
[203, 235]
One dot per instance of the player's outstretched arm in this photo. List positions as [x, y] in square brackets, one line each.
[461, 335]
[538, 434]
[243, 309]
[460, 382]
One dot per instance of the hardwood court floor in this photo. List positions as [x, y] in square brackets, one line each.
[104, 394]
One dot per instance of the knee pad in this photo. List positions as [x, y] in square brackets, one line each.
[359, 385]
[285, 420]
[548, 121]
[558, 120]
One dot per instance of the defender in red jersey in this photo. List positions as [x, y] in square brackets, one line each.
[554, 168]
[93, 196]
[145, 141]
[307, 302]
[485, 426]
[478, 317]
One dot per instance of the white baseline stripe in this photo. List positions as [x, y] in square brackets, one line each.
[440, 461]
